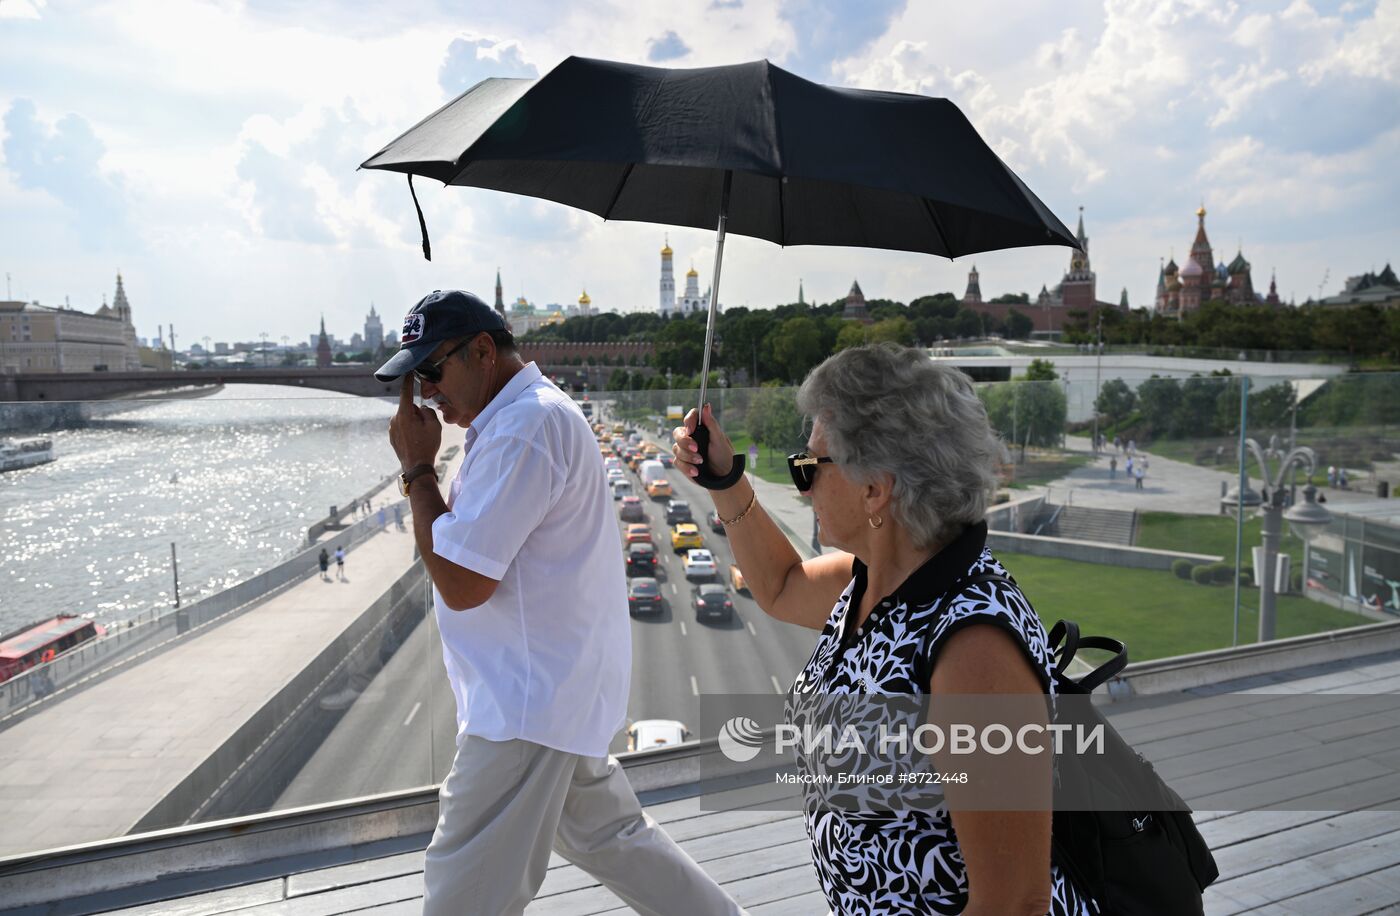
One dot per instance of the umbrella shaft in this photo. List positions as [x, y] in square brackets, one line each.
[714, 289]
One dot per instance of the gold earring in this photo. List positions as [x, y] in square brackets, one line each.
[875, 521]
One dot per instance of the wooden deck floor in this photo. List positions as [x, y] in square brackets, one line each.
[1271, 862]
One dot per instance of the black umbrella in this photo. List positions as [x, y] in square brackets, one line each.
[755, 148]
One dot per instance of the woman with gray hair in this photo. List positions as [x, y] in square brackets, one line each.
[899, 466]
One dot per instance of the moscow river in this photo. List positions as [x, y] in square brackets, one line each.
[233, 479]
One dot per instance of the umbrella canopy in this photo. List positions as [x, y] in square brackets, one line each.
[809, 164]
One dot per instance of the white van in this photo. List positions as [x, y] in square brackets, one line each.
[650, 470]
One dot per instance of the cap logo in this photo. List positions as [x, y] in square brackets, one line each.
[412, 328]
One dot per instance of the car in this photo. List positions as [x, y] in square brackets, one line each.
[736, 580]
[711, 601]
[699, 565]
[638, 534]
[685, 536]
[634, 459]
[618, 444]
[648, 734]
[641, 560]
[612, 463]
[659, 488]
[665, 459]
[618, 428]
[712, 518]
[631, 509]
[677, 511]
[650, 449]
[622, 488]
[643, 595]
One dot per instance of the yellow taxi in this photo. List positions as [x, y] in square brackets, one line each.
[659, 487]
[634, 459]
[650, 450]
[638, 534]
[686, 536]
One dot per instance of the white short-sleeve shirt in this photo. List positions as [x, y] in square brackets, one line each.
[548, 658]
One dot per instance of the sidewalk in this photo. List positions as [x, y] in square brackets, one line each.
[1170, 486]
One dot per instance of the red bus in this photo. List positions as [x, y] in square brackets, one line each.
[43, 642]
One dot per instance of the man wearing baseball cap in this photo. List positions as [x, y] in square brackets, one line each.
[531, 600]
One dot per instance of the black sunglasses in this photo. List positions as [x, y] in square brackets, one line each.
[432, 372]
[803, 468]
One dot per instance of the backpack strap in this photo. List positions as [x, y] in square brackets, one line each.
[923, 664]
[1068, 632]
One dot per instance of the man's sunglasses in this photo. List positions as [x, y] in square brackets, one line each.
[803, 468]
[432, 372]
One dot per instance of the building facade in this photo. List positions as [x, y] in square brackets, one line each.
[1380, 289]
[691, 301]
[374, 330]
[37, 338]
[855, 308]
[1184, 289]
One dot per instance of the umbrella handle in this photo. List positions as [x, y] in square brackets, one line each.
[707, 478]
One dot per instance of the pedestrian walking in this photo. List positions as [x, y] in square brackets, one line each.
[381, 519]
[1112, 467]
[1331, 475]
[325, 561]
[532, 769]
[340, 563]
[1342, 478]
[1132, 446]
[398, 517]
[1139, 473]
[1128, 466]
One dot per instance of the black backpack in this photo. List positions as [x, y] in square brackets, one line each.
[1151, 862]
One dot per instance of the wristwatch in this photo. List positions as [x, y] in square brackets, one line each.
[412, 474]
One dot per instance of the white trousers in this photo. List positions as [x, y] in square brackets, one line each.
[506, 803]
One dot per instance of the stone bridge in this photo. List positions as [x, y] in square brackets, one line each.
[356, 380]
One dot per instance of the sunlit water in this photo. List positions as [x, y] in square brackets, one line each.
[233, 479]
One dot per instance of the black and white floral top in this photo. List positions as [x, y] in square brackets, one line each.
[901, 858]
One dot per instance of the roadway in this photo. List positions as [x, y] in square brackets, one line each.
[399, 732]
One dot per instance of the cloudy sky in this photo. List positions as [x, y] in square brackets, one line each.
[207, 148]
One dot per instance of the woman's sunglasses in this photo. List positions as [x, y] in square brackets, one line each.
[803, 468]
[432, 372]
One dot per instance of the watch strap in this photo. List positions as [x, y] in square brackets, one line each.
[413, 473]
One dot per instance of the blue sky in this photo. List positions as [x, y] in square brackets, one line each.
[207, 149]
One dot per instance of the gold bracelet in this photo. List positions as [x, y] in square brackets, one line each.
[747, 509]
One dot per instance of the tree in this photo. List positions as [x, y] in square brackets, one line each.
[1160, 399]
[1026, 413]
[1018, 325]
[797, 347]
[680, 346]
[1116, 400]
[894, 330]
[773, 419]
[852, 335]
[1041, 370]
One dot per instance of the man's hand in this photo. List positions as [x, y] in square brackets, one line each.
[414, 432]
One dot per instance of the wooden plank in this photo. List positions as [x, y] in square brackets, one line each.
[728, 871]
[810, 904]
[211, 902]
[345, 899]
[1304, 841]
[352, 873]
[1288, 882]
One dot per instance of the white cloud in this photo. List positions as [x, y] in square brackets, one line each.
[229, 132]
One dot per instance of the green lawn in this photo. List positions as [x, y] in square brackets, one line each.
[1213, 534]
[772, 466]
[1154, 613]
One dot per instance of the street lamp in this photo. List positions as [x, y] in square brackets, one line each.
[1306, 519]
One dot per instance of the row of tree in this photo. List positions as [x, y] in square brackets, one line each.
[785, 342]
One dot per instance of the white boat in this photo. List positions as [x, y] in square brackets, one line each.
[24, 453]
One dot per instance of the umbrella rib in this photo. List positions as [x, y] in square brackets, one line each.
[617, 192]
[937, 227]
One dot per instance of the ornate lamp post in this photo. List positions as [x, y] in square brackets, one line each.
[1306, 519]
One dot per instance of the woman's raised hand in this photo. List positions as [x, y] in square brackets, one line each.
[720, 454]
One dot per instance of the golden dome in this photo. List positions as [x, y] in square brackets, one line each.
[666, 251]
[1201, 210]
[584, 300]
[692, 272]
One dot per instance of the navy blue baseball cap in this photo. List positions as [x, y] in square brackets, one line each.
[443, 314]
